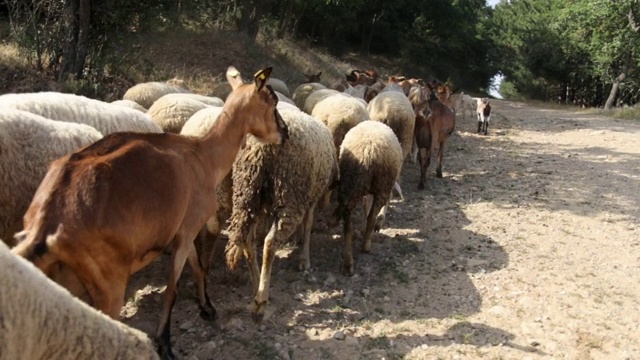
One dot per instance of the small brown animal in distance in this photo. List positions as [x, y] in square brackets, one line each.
[431, 129]
[108, 210]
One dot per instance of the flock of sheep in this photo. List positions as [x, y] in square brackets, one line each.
[350, 140]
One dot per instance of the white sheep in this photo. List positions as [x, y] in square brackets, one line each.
[315, 97]
[104, 117]
[209, 100]
[28, 143]
[147, 93]
[283, 98]
[370, 162]
[392, 107]
[41, 320]
[172, 111]
[275, 191]
[302, 92]
[279, 86]
[130, 104]
[340, 112]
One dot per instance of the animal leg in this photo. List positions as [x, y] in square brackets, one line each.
[440, 152]
[414, 151]
[381, 211]
[486, 126]
[397, 188]
[347, 252]
[307, 224]
[207, 310]
[254, 269]
[205, 242]
[280, 230]
[479, 126]
[378, 207]
[178, 259]
[424, 165]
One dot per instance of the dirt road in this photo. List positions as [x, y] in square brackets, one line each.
[528, 248]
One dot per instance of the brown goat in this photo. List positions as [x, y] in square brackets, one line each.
[436, 127]
[108, 210]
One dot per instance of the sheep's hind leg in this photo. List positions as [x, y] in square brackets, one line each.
[347, 252]
[307, 224]
[280, 231]
[379, 208]
[207, 310]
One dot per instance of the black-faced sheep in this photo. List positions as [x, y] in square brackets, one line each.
[370, 162]
[41, 320]
[147, 93]
[104, 117]
[276, 188]
[28, 143]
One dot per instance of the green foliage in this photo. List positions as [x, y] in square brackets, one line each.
[571, 51]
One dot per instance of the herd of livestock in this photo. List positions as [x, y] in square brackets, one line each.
[94, 191]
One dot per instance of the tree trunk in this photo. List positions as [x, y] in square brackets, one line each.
[70, 38]
[616, 83]
[84, 22]
[285, 19]
[252, 13]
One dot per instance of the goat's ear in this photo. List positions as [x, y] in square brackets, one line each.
[233, 77]
[261, 77]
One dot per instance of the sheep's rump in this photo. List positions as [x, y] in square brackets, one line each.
[28, 143]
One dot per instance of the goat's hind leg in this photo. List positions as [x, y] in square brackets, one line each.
[440, 153]
[207, 310]
[181, 251]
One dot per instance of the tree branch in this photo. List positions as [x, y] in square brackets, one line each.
[632, 21]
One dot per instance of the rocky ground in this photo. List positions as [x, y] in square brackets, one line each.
[528, 248]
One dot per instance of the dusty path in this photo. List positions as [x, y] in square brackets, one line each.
[528, 248]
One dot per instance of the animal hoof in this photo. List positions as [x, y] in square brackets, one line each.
[164, 351]
[421, 186]
[379, 223]
[208, 312]
[439, 174]
[257, 311]
[304, 264]
[348, 270]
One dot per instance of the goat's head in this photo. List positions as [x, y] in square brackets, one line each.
[258, 101]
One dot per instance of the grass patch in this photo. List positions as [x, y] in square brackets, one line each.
[379, 342]
[627, 112]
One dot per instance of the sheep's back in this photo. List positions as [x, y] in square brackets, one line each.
[299, 170]
[171, 113]
[147, 93]
[394, 109]
[340, 112]
[106, 118]
[302, 92]
[370, 160]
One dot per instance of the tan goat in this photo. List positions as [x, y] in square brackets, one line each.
[109, 209]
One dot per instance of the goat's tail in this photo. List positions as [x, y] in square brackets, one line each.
[35, 248]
